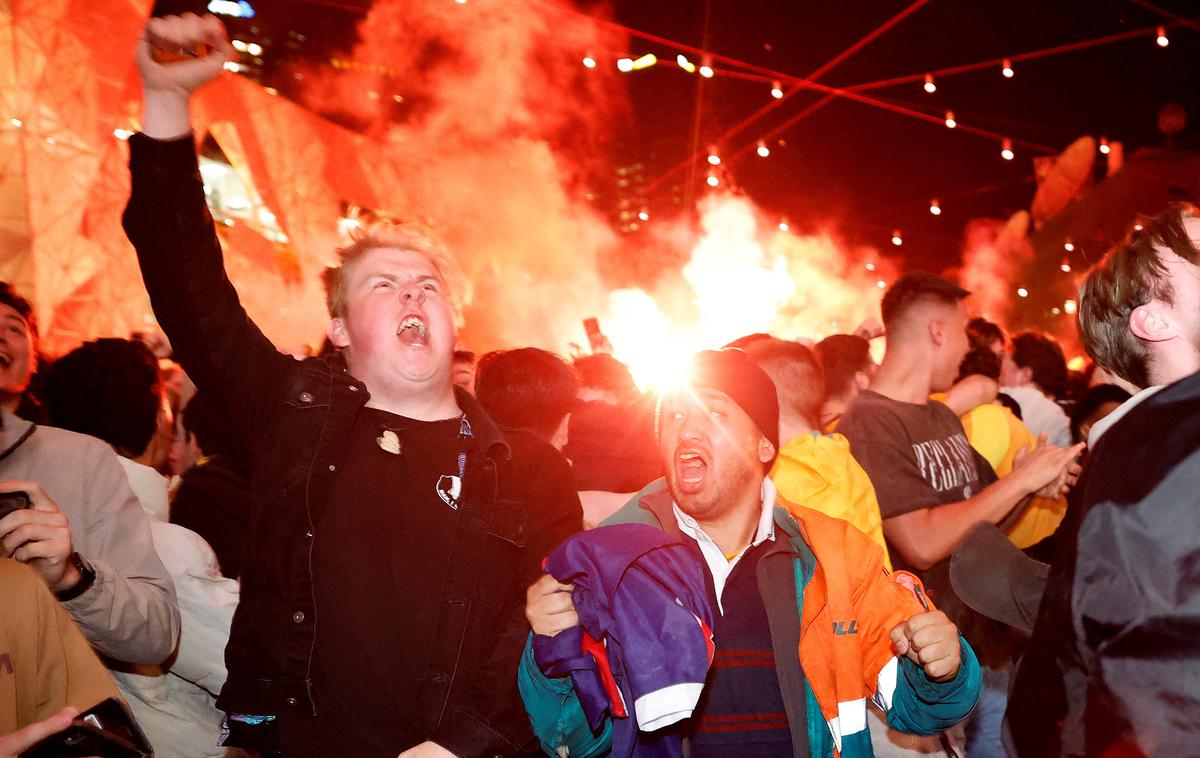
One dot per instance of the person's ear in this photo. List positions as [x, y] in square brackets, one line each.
[937, 331]
[766, 451]
[1149, 323]
[861, 380]
[559, 440]
[336, 331]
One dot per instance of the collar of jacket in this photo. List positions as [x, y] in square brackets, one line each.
[487, 434]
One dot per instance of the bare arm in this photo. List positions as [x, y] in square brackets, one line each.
[971, 392]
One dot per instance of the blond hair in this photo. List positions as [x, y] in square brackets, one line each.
[397, 236]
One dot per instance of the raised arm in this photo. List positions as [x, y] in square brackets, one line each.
[168, 222]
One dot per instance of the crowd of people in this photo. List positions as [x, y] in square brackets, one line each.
[399, 548]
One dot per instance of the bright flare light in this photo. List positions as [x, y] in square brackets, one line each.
[1006, 69]
[783, 226]
[930, 87]
[1070, 307]
[682, 61]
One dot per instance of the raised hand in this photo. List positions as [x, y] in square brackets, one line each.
[175, 56]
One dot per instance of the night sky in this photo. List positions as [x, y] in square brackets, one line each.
[856, 169]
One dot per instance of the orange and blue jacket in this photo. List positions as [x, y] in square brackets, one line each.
[823, 581]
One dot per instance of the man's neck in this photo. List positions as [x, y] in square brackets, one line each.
[432, 405]
[734, 532]
[904, 376]
[792, 426]
[9, 402]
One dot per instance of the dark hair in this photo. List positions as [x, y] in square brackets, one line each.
[1043, 356]
[15, 300]
[205, 417]
[1091, 402]
[796, 372]
[983, 333]
[603, 371]
[982, 361]
[842, 356]
[1010, 403]
[913, 289]
[1131, 275]
[108, 388]
[527, 389]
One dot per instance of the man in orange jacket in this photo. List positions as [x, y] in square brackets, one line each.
[809, 625]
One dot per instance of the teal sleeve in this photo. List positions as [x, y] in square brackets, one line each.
[920, 706]
[555, 712]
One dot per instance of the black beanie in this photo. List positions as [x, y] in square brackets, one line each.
[731, 371]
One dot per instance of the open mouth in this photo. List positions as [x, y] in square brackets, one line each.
[413, 332]
[691, 470]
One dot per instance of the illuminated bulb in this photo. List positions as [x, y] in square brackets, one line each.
[881, 284]
[589, 61]
[18, 123]
[1069, 247]
[1162, 37]
[238, 45]
[1006, 151]
[1006, 69]
[254, 48]
[625, 65]
[1022, 292]
[897, 240]
[1070, 306]
[1104, 147]
[930, 87]
[643, 215]
[950, 122]
[1137, 227]
[231, 66]
[682, 61]
[762, 149]
[707, 72]
[776, 90]
[713, 158]
[1066, 267]
[122, 133]
[713, 180]
[461, 2]
[783, 226]
[870, 267]
[646, 61]
[935, 208]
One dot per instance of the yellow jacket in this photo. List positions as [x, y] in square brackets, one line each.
[817, 471]
[998, 435]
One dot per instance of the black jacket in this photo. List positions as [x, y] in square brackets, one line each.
[295, 417]
[1112, 666]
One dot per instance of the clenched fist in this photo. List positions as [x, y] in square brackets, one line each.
[39, 536]
[175, 56]
[930, 640]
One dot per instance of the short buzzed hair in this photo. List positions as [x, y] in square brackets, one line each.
[842, 357]
[1131, 275]
[796, 372]
[916, 289]
[391, 235]
[527, 389]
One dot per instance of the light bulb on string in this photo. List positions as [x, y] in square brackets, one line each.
[1065, 266]
[950, 122]
[1022, 292]
[1070, 307]
[1006, 150]
[712, 180]
[776, 90]
[682, 61]
[644, 215]
[1105, 149]
[713, 158]
[897, 240]
[1161, 39]
[589, 61]
[762, 149]
[1006, 69]
[706, 69]
[624, 65]
[881, 284]
[784, 226]
[935, 207]
[870, 267]
[646, 61]
[1069, 246]
[930, 87]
